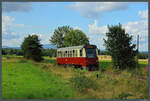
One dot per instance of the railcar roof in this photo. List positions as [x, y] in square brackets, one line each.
[73, 47]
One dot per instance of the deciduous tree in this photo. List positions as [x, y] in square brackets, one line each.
[119, 46]
[58, 37]
[32, 48]
[75, 38]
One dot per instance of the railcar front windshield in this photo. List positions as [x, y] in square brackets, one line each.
[90, 53]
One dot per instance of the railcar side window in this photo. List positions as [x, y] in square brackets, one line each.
[65, 53]
[81, 52]
[70, 53]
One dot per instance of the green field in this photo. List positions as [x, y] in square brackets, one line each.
[26, 79]
[22, 79]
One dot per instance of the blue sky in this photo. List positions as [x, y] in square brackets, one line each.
[42, 18]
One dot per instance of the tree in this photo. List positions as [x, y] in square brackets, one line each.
[32, 48]
[49, 52]
[4, 52]
[75, 38]
[58, 36]
[19, 52]
[118, 44]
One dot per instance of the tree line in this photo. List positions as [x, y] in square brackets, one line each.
[52, 52]
[19, 52]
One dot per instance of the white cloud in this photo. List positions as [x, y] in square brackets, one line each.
[97, 39]
[45, 38]
[7, 32]
[7, 20]
[143, 14]
[28, 26]
[94, 29]
[138, 27]
[6, 23]
[12, 38]
[38, 34]
[12, 42]
[9, 37]
[16, 6]
[95, 9]
[77, 27]
[97, 33]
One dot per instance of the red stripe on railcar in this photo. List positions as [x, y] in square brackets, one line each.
[83, 61]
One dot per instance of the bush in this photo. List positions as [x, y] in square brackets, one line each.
[123, 95]
[82, 83]
[79, 71]
[8, 57]
[104, 65]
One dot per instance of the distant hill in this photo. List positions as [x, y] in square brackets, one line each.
[11, 47]
[49, 46]
[5, 47]
[144, 52]
[45, 46]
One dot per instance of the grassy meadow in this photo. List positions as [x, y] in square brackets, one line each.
[27, 79]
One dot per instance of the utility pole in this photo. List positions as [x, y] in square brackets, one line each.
[137, 49]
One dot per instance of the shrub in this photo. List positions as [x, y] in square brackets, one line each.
[123, 95]
[79, 71]
[22, 61]
[82, 83]
[8, 57]
[103, 65]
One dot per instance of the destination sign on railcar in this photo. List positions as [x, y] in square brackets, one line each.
[90, 46]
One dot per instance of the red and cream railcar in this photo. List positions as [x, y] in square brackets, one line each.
[84, 56]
